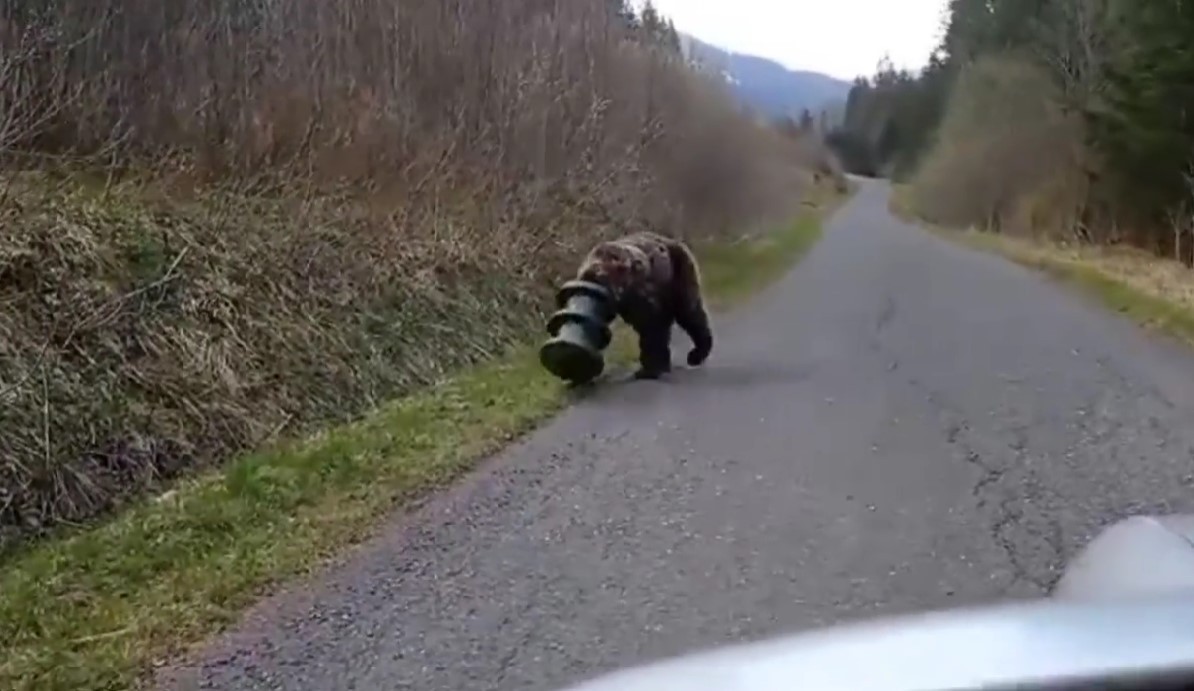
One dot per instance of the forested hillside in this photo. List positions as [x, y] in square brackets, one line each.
[222, 223]
[1059, 117]
[767, 86]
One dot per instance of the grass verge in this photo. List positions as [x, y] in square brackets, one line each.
[900, 202]
[97, 608]
[1156, 293]
[734, 271]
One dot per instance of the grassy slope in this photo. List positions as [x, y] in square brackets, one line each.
[95, 609]
[1156, 293]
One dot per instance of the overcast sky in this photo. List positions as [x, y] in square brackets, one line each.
[842, 38]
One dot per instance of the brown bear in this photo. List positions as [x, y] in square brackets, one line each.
[655, 283]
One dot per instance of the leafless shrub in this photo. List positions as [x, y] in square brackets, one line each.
[281, 212]
[1007, 157]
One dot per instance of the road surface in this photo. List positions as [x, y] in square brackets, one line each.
[900, 424]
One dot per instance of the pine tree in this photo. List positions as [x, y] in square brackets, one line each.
[657, 30]
[1145, 127]
[622, 12]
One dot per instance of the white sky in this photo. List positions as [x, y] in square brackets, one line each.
[841, 38]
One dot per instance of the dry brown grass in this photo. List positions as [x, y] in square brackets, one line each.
[139, 340]
[1156, 293]
[1142, 271]
[277, 215]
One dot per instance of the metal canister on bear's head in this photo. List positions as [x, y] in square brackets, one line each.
[580, 331]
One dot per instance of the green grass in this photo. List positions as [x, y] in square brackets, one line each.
[734, 271]
[97, 608]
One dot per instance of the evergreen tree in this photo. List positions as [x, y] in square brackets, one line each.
[657, 30]
[1145, 127]
[621, 11]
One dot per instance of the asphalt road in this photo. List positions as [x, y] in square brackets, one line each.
[900, 424]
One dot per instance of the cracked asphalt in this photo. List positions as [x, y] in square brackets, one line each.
[900, 424]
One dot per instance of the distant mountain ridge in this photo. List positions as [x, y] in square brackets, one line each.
[765, 85]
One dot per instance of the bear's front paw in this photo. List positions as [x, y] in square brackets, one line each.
[697, 357]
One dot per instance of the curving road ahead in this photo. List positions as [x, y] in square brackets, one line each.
[899, 424]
